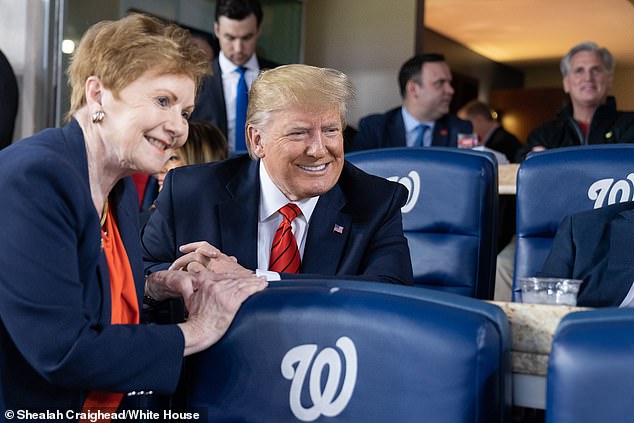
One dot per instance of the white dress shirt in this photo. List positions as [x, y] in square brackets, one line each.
[269, 218]
[230, 77]
[628, 301]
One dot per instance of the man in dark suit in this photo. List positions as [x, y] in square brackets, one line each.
[423, 119]
[344, 222]
[596, 246]
[237, 27]
[491, 134]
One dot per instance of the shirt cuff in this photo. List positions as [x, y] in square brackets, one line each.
[270, 276]
[629, 298]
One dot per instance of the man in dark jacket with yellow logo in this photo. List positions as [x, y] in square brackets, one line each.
[591, 117]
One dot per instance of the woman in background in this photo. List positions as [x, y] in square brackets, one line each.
[205, 144]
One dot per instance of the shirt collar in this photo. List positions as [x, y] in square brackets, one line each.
[411, 123]
[226, 66]
[272, 199]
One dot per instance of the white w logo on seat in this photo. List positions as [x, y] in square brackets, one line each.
[412, 183]
[606, 188]
[324, 402]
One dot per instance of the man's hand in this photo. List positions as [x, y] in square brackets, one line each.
[202, 256]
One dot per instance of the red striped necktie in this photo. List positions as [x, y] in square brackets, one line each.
[284, 252]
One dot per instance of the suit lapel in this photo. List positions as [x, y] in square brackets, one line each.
[239, 216]
[620, 267]
[396, 130]
[327, 234]
[126, 216]
[76, 149]
[103, 276]
[441, 134]
[218, 96]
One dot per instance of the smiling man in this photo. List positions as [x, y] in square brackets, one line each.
[423, 120]
[293, 209]
[237, 28]
[591, 116]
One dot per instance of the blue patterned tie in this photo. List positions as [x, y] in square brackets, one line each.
[242, 100]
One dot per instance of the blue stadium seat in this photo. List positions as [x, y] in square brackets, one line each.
[450, 217]
[591, 368]
[556, 183]
[356, 352]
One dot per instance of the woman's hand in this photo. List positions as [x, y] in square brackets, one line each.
[167, 284]
[212, 307]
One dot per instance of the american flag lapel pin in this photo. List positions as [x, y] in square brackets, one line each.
[338, 229]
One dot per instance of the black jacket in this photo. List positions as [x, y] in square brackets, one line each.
[608, 126]
[210, 104]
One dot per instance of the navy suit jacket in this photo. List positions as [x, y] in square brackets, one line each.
[596, 246]
[210, 105]
[55, 333]
[218, 203]
[388, 130]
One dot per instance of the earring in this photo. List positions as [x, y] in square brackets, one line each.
[98, 116]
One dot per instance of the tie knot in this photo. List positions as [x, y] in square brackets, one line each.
[241, 70]
[290, 211]
[422, 128]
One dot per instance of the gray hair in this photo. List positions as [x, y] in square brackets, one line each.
[604, 54]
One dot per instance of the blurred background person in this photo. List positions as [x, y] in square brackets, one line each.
[72, 284]
[591, 117]
[491, 133]
[493, 136]
[205, 144]
[423, 120]
[8, 101]
[224, 95]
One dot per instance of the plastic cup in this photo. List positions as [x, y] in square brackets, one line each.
[555, 291]
[468, 140]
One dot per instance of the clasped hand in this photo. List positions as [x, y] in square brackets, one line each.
[202, 256]
[213, 286]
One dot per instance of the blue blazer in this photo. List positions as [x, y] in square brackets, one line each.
[596, 246]
[388, 130]
[210, 105]
[57, 340]
[218, 203]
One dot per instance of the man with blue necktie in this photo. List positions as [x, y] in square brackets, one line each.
[224, 95]
[423, 120]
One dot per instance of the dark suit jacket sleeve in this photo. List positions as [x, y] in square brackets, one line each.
[536, 138]
[387, 257]
[157, 236]
[561, 258]
[51, 301]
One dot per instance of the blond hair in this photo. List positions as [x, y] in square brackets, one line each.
[119, 52]
[205, 144]
[302, 86]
